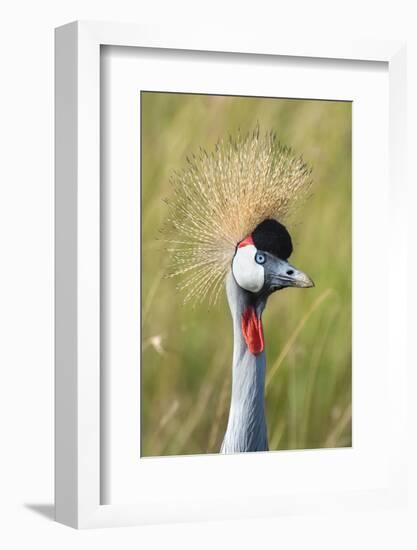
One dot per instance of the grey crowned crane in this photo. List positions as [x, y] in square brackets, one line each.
[227, 212]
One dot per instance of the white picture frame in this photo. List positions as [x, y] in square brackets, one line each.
[78, 404]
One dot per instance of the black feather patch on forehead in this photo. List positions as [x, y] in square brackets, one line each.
[271, 236]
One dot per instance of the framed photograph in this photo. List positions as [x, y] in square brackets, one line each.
[230, 331]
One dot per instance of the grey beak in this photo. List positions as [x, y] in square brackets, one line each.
[297, 278]
[284, 275]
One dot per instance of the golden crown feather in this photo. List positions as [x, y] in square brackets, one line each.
[221, 197]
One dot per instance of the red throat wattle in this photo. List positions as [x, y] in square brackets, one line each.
[252, 331]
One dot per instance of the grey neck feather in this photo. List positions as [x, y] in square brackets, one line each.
[246, 429]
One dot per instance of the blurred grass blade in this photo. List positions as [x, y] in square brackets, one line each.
[290, 342]
[333, 437]
[151, 294]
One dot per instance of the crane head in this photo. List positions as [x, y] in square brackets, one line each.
[260, 264]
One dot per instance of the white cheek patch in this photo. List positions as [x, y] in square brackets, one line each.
[247, 273]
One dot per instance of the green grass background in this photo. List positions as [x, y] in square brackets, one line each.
[186, 351]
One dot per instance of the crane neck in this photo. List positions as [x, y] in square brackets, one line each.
[246, 429]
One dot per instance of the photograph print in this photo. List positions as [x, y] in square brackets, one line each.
[246, 232]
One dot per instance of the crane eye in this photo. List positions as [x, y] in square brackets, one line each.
[260, 258]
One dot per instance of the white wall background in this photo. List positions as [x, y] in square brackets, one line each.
[26, 272]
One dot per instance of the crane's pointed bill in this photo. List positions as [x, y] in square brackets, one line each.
[297, 278]
[283, 275]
